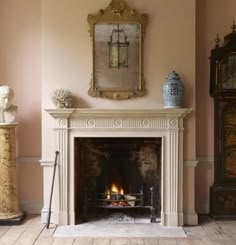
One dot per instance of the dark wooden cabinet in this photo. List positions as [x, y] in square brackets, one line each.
[223, 91]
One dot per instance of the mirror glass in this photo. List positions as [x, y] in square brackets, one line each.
[116, 67]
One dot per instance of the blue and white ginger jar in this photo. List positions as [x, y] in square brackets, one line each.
[173, 91]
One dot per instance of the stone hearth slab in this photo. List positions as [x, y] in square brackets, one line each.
[104, 229]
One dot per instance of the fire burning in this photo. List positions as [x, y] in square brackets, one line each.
[116, 195]
[116, 190]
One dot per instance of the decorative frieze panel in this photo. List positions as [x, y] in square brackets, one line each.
[109, 123]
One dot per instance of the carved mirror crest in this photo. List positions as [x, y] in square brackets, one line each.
[117, 34]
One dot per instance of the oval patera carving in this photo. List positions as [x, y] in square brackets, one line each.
[62, 122]
[117, 123]
[91, 123]
[173, 122]
[145, 123]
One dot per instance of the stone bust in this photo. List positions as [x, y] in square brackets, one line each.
[7, 110]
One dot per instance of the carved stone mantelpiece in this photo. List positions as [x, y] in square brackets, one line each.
[166, 124]
[9, 206]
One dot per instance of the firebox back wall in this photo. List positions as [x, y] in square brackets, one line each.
[134, 162]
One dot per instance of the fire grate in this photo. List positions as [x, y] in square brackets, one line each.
[113, 199]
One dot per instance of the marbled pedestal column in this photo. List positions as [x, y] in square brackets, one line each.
[9, 206]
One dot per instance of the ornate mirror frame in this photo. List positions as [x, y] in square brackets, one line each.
[120, 82]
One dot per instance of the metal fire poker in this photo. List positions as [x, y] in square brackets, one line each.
[50, 201]
[152, 209]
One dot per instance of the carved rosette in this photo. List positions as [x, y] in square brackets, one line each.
[9, 207]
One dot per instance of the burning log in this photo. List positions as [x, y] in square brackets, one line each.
[120, 204]
[130, 200]
[118, 198]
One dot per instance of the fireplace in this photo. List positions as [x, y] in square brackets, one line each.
[117, 174]
[72, 125]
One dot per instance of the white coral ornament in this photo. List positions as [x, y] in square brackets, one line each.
[62, 98]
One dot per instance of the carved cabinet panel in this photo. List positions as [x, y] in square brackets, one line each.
[223, 91]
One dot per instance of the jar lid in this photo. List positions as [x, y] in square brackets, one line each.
[173, 75]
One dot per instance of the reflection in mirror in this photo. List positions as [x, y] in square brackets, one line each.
[117, 56]
[118, 48]
[117, 37]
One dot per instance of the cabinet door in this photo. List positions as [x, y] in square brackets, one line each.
[227, 140]
[227, 73]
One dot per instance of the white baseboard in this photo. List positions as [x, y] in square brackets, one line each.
[202, 206]
[190, 163]
[191, 219]
[31, 207]
[25, 159]
[208, 160]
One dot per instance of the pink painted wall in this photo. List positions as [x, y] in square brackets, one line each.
[66, 62]
[67, 55]
[20, 68]
[213, 16]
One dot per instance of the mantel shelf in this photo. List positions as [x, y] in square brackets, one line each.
[131, 113]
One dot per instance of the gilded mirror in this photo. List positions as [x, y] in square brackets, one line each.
[117, 34]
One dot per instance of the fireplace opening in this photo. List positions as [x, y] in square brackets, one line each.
[117, 175]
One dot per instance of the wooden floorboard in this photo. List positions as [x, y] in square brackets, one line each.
[185, 242]
[101, 241]
[167, 242]
[120, 241]
[217, 234]
[150, 241]
[3, 230]
[83, 241]
[11, 236]
[137, 241]
[46, 236]
[32, 232]
[63, 241]
[229, 227]
[198, 234]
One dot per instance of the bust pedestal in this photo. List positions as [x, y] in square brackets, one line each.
[9, 207]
